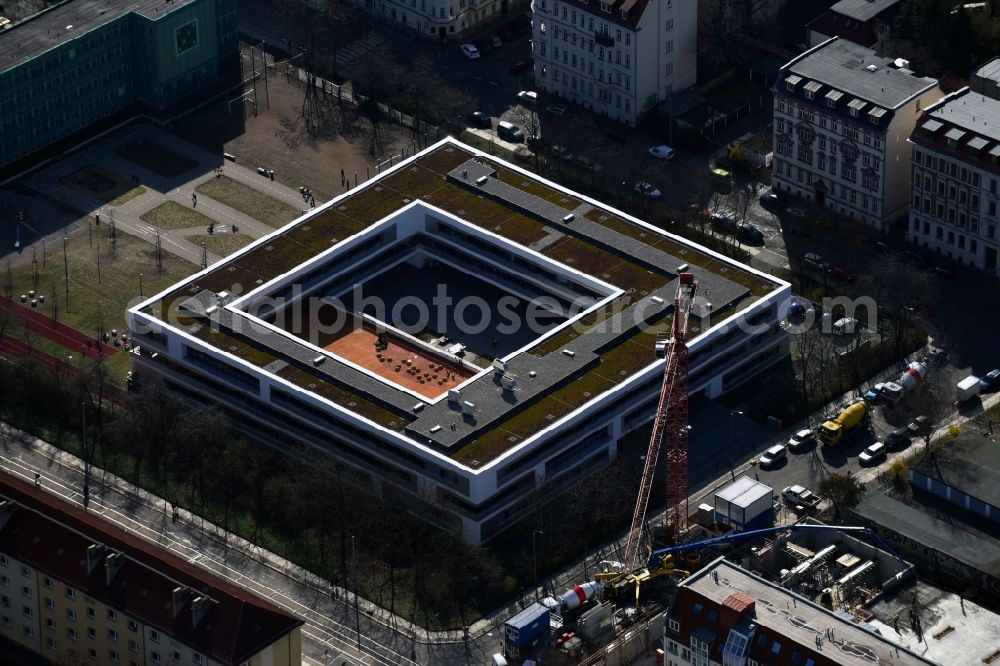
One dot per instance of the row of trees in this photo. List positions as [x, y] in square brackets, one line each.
[944, 41]
[306, 507]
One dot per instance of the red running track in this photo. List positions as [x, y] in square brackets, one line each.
[56, 331]
[13, 349]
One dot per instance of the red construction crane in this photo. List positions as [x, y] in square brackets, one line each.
[670, 426]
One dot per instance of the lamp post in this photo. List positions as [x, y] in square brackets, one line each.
[732, 419]
[357, 613]
[534, 561]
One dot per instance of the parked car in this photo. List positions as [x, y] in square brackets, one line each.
[897, 439]
[469, 51]
[801, 439]
[882, 247]
[841, 274]
[496, 41]
[990, 381]
[748, 233]
[588, 164]
[919, 426]
[722, 219]
[509, 132]
[563, 152]
[874, 394]
[647, 190]
[817, 260]
[797, 311]
[801, 495]
[773, 456]
[795, 211]
[480, 119]
[557, 109]
[770, 200]
[722, 174]
[873, 454]
[529, 96]
[522, 66]
[484, 46]
[661, 152]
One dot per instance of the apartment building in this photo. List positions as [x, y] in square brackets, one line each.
[77, 590]
[842, 116]
[442, 19]
[619, 58]
[956, 178]
[74, 64]
[724, 615]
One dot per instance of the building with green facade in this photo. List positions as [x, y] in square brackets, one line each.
[81, 61]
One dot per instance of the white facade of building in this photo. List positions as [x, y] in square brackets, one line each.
[619, 59]
[955, 208]
[441, 19]
[842, 117]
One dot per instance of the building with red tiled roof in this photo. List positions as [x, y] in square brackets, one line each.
[726, 615]
[619, 58]
[76, 589]
[864, 22]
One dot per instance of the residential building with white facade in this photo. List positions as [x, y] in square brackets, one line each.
[842, 116]
[956, 179]
[442, 19]
[619, 58]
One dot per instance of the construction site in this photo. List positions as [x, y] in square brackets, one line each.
[804, 583]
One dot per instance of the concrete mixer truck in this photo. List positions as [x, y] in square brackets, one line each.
[893, 392]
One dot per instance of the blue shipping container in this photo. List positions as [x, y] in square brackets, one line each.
[527, 626]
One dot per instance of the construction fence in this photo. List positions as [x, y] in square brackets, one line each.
[638, 641]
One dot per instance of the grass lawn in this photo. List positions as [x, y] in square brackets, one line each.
[93, 301]
[172, 215]
[156, 158]
[249, 201]
[107, 186]
[222, 244]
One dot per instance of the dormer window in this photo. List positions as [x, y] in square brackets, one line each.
[953, 136]
[605, 7]
[624, 16]
[792, 81]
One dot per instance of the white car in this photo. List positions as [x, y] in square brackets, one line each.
[647, 190]
[873, 453]
[801, 439]
[529, 96]
[773, 456]
[469, 51]
[661, 152]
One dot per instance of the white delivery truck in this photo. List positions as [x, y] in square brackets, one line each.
[967, 389]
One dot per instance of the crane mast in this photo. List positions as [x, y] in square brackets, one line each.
[670, 426]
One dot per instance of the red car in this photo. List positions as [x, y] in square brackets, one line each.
[842, 274]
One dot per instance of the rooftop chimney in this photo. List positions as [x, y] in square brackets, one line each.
[180, 597]
[112, 563]
[94, 553]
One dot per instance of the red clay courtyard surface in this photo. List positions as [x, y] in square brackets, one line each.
[403, 364]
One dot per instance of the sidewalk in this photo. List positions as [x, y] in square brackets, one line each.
[160, 189]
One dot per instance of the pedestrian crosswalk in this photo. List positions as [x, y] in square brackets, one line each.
[350, 56]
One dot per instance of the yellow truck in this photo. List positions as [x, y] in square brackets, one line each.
[834, 430]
